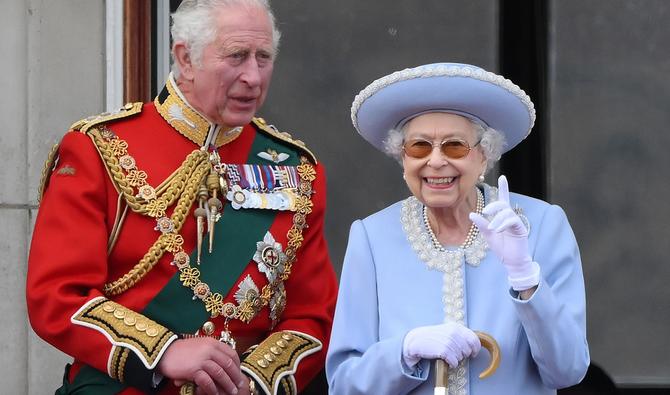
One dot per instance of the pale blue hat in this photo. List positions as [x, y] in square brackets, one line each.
[463, 89]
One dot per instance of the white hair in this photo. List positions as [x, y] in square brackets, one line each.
[491, 140]
[193, 24]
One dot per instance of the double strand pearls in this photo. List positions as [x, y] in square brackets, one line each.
[472, 232]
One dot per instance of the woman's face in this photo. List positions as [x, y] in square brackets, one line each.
[436, 180]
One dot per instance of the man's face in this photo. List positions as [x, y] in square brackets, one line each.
[231, 83]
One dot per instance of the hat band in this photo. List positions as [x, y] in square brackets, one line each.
[469, 116]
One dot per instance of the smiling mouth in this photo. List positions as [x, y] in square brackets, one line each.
[439, 181]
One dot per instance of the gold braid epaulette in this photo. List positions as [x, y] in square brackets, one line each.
[127, 110]
[181, 186]
[285, 137]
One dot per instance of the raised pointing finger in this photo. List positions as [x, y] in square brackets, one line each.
[503, 189]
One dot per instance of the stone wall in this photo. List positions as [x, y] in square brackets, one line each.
[52, 75]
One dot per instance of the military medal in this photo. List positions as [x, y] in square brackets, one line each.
[229, 311]
[237, 197]
[269, 257]
[262, 186]
[271, 261]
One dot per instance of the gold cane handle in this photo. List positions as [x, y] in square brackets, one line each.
[489, 343]
[441, 367]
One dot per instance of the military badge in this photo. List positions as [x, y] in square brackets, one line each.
[273, 156]
[177, 114]
[270, 257]
[247, 298]
[66, 170]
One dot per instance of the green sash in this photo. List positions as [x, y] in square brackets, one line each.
[235, 238]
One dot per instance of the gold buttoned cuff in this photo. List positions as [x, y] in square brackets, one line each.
[274, 361]
[127, 329]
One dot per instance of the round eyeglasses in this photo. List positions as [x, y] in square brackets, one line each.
[451, 148]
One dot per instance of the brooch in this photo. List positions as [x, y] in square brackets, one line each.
[519, 211]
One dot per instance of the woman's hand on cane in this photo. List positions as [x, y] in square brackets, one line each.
[451, 342]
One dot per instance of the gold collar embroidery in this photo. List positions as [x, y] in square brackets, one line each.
[176, 111]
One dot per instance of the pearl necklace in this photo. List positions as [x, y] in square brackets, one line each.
[472, 232]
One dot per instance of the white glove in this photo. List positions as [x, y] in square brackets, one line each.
[451, 342]
[508, 238]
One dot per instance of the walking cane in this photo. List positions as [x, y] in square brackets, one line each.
[441, 373]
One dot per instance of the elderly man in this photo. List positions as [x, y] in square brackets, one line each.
[179, 244]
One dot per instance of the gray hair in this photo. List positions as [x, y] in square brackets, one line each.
[193, 24]
[491, 140]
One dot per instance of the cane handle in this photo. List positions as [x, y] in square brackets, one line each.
[489, 343]
[441, 367]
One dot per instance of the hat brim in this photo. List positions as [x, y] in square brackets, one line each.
[466, 90]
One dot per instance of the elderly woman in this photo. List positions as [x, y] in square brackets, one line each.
[458, 256]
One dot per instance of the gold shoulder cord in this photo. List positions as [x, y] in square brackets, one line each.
[46, 171]
[114, 153]
[182, 187]
[82, 126]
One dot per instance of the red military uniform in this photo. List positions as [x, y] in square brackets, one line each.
[113, 276]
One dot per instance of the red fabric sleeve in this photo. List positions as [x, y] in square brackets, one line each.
[67, 265]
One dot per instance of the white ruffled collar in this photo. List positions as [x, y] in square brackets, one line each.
[411, 217]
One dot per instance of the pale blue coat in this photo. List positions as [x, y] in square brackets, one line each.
[386, 291]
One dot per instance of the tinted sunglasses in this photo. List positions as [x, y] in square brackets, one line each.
[451, 148]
